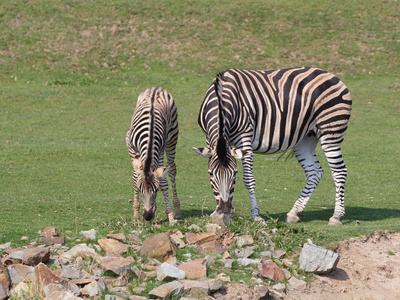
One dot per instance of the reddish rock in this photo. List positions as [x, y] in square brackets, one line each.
[159, 247]
[117, 236]
[53, 240]
[29, 256]
[213, 247]
[93, 289]
[5, 283]
[49, 232]
[200, 238]
[46, 281]
[195, 268]
[271, 271]
[111, 245]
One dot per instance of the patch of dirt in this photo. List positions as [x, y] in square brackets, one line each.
[369, 268]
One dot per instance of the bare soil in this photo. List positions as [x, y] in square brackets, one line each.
[369, 268]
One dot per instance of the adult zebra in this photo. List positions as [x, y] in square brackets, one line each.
[271, 111]
[154, 128]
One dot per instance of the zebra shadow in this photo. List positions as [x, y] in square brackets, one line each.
[353, 214]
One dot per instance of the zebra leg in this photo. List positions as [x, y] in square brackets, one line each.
[175, 199]
[170, 153]
[136, 203]
[250, 183]
[306, 156]
[333, 154]
[164, 190]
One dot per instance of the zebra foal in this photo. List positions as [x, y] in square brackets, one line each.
[271, 111]
[154, 129]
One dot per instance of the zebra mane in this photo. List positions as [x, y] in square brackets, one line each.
[221, 143]
[149, 158]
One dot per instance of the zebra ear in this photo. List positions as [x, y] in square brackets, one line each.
[238, 154]
[137, 164]
[161, 172]
[204, 152]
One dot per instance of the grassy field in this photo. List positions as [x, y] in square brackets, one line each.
[71, 71]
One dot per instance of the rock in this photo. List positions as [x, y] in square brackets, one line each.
[5, 246]
[72, 253]
[195, 268]
[24, 289]
[248, 261]
[271, 271]
[53, 240]
[117, 236]
[278, 254]
[134, 297]
[262, 290]
[200, 238]
[49, 232]
[244, 253]
[167, 291]
[296, 284]
[244, 240]
[177, 241]
[213, 247]
[193, 286]
[111, 245]
[317, 259]
[18, 272]
[92, 289]
[119, 266]
[226, 255]
[221, 219]
[46, 281]
[70, 273]
[159, 247]
[90, 255]
[213, 284]
[134, 239]
[167, 272]
[89, 234]
[120, 281]
[5, 283]
[62, 295]
[214, 228]
[29, 256]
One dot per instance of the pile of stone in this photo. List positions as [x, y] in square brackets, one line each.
[106, 268]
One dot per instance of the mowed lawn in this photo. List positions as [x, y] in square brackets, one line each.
[70, 74]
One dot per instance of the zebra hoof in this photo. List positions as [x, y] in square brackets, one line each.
[334, 222]
[292, 218]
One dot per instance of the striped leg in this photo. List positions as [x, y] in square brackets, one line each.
[250, 183]
[333, 154]
[306, 156]
[170, 153]
[136, 203]
[164, 190]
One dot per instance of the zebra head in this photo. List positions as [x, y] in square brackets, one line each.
[148, 183]
[222, 168]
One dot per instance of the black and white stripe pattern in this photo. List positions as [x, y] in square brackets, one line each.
[271, 111]
[154, 129]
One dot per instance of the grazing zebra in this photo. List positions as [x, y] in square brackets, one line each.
[154, 128]
[271, 111]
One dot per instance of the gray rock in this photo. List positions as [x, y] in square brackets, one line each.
[317, 259]
[167, 291]
[89, 234]
[167, 271]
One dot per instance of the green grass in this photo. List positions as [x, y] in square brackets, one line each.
[70, 74]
